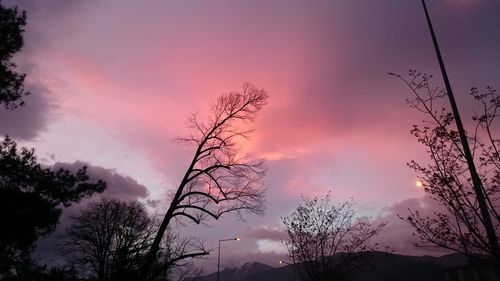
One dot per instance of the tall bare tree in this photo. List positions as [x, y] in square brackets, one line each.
[327, 241]
[219, 179]
[461, 228]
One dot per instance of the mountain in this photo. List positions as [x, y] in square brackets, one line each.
[383, 267]
[239, 273]
[392, 267]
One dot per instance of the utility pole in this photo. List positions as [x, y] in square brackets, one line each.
[476, 181]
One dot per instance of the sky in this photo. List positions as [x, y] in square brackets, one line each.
[113, 82]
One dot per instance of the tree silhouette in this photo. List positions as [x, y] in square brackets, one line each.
[447, 179]
[326, 241]
[32, 272]
[11, 41]
[219, 179]
[31, 198]
[110, 238]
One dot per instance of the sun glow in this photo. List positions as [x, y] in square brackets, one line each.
[419, 184]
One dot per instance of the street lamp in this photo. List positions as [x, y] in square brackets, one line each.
[218, 255]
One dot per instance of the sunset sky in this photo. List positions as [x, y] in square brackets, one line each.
[112, 83]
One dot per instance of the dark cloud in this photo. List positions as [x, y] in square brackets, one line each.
[47, 7]
[40, 14]
[153, 203]
[355, 45]
[118, 187]
[44, 23]
[265, 232]
[26, 122]
[397, 235]
[49, 22]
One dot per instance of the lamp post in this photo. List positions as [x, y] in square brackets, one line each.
[218, 255]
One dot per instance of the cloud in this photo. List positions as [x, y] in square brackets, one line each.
[44, 20]
[313, 74]
[118, 187]
[335, 118]
[44, 25]
[398, 234]
[26, 122]
[265, 233]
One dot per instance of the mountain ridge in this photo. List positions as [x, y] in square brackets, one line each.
[384, 266]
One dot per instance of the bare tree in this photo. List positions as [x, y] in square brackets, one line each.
[447, 180]
[110, 238]
[219, 179]
[326, 241]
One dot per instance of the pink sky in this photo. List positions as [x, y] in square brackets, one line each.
[113, 83]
